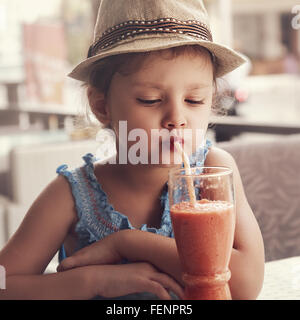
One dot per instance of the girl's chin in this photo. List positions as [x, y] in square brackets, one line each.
[168, 166]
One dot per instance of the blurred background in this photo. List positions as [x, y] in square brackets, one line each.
[40, 42]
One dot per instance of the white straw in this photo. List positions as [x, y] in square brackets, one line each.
[188, 171]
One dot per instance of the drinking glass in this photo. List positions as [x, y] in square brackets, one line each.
[202, 207]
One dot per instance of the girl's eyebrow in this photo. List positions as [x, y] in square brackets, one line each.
[198, 86]
[147, 84]
[159, 87]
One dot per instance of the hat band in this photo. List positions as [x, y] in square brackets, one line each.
[131, 29]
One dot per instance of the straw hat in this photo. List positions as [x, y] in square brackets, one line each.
[125, 26]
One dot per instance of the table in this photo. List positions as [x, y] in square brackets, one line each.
[234, 125]
[282, 280]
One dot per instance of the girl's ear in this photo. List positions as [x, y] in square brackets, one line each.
[98, 105]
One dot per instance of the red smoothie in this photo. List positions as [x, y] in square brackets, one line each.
[204, 238]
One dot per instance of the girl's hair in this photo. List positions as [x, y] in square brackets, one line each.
[128, 63]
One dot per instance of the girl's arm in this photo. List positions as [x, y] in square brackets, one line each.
[72, 284]
[41, 233]
[28, 252]
[246, 270]
[88, 282]
[248, 259]
[161, 251]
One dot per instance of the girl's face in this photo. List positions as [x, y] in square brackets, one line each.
[164, 94]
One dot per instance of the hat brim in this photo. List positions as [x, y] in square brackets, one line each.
[227, 59]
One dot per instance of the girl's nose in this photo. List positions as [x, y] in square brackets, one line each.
[174, 119]
[176, 124]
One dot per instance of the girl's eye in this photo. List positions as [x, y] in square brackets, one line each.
[148, 101]
[194, 101]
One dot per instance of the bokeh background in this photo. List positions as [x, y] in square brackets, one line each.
[40, 42]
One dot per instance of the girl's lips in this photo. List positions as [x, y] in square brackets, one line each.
[173, 140]
[176, 139]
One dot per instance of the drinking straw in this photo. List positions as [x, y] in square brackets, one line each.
[189, 180]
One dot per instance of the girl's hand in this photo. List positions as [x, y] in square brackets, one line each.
[104, 251]
[119, 280]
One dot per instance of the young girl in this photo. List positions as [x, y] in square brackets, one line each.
[154, 65]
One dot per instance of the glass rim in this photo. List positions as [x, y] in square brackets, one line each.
[176, 172]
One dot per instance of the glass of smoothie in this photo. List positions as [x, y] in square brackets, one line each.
[202, 209]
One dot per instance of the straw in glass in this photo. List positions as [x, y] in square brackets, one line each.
[189, 180]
